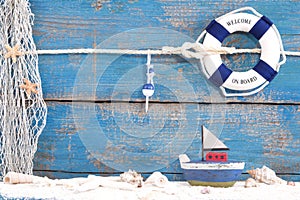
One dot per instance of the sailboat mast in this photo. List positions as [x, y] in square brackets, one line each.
[202, 146]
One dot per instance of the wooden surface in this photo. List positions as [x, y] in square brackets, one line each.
[96, 120]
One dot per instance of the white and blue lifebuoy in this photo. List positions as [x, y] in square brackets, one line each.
[251, 81]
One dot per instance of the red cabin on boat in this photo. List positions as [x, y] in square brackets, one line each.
[217, 156]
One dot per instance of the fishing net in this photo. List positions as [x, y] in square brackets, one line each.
[22, 108]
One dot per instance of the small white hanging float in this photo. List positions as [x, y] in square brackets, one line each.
[148, 88]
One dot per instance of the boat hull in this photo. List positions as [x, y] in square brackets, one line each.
[208, 173]
[212, 184]
[213, 178]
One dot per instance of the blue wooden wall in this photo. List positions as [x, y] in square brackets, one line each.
[96, 120]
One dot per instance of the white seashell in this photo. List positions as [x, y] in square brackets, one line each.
[205, 190]
[265, 175]
[157, 179]
[291, 183]
[250, 182]
[132, 177]
[15, 178]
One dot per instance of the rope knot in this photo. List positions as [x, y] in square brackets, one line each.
[193, 50]
[197, 50]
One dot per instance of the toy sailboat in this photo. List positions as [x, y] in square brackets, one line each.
[214, 170]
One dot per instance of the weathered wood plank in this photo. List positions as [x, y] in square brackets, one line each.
[115, 82]
[125, 24]
[97, 137]
[111, 137]
[82, 23]
[109, 77]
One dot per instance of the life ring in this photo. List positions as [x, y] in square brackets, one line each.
[244, 83]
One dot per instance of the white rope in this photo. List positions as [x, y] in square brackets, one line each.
[189, 50]
[166, 50]
[100, 51]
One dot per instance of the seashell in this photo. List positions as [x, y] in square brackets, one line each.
[252, 173]
[132, 177]
[250, 182]
[205, 190]
[15, 178]
[291, 183]
[265, 175]
[19, 178]
[157, 179]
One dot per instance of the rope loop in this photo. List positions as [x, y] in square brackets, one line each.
[197, 50]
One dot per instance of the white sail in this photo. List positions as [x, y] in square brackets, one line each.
[211, 142]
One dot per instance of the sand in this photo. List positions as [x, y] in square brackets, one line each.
[169, 191]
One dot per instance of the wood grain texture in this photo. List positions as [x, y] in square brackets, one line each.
[257, 134]
[96, 121]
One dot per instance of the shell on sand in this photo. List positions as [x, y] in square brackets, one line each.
[15, 178]
[265, 175]
[291, 183]
[132, 177]
[205, 190]
[250, 182]
[157, 179]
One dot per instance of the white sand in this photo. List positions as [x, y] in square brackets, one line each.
[172, 191]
